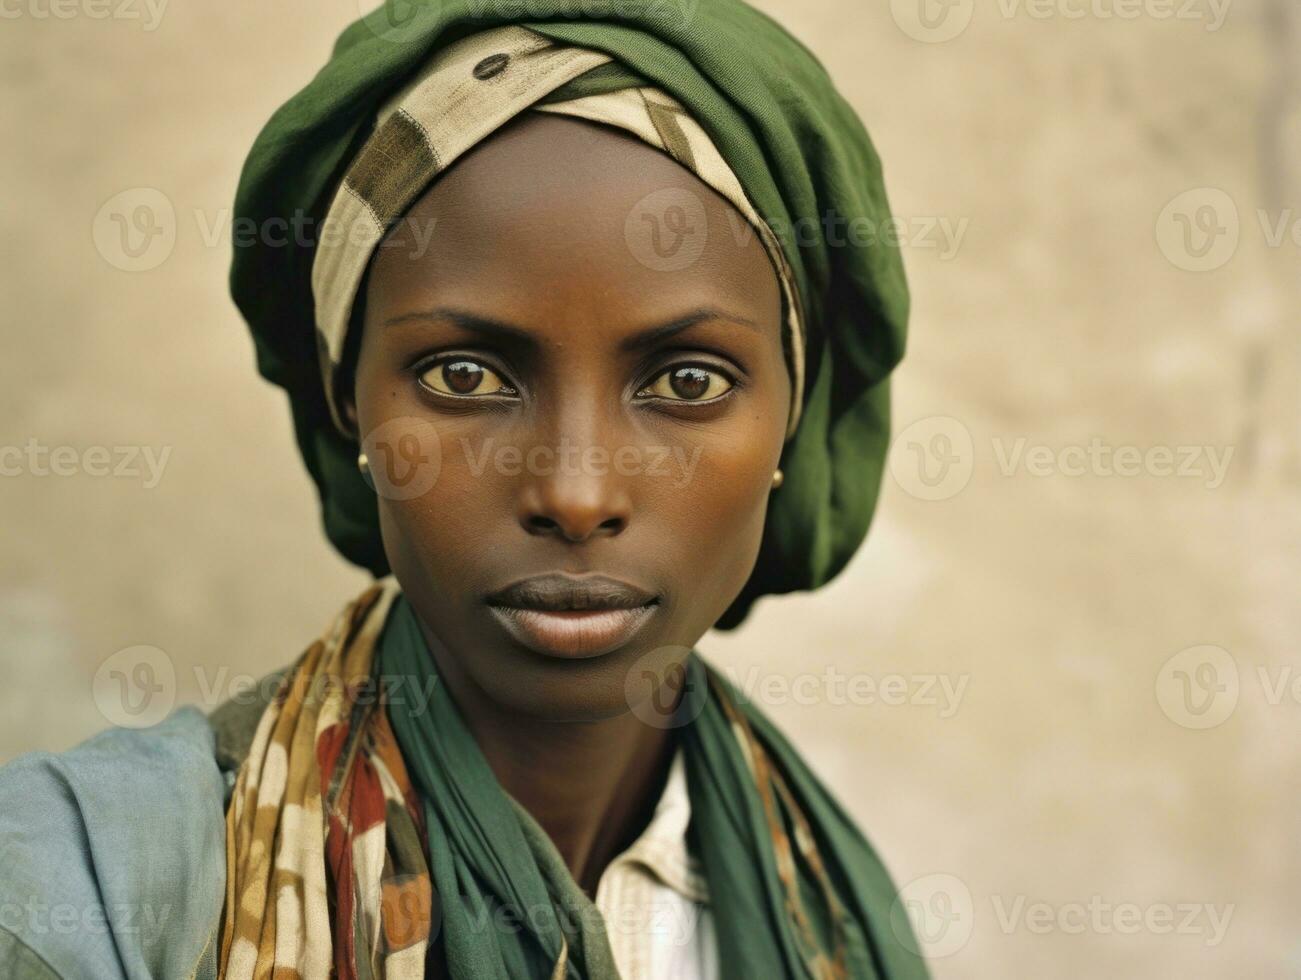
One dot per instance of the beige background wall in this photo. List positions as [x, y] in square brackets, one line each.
[1038, 769]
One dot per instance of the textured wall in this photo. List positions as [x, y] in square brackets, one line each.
[1097, 470]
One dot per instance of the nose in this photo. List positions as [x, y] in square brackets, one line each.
[573, 493]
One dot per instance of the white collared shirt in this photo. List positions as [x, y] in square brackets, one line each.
[655, 900]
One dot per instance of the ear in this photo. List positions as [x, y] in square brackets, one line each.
[348, 409]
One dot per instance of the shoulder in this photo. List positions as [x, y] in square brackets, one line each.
[234, 723]
[112, 856]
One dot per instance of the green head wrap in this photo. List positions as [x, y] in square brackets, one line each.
[800, 153]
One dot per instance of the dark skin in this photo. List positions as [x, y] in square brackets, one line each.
[526, 319]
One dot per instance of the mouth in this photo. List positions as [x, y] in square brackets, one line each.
[572, 617]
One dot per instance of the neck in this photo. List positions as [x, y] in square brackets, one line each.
[591, 785]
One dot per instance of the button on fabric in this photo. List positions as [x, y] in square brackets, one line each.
[492, 65]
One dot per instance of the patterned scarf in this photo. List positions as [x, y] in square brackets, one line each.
[362, 824]
[325, 869]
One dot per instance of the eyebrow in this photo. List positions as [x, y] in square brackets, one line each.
[501, 330]
[653, 335]
[471, 322]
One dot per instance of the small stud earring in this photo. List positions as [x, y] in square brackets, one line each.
[778, 478]
[363, 464]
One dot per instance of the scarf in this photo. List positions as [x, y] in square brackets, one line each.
[707, 74]
[365, 822]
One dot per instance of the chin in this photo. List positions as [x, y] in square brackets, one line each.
[574, 691]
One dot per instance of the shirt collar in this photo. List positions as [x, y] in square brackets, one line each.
[662, 847]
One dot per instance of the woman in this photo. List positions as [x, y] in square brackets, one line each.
[580, 370]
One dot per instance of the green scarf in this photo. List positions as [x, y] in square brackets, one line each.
[774, 917]
[798, 149]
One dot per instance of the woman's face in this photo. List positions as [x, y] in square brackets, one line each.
[572, 418]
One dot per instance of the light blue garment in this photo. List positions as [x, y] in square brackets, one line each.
[112, 857]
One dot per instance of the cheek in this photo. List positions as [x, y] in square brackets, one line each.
[710, 518]
[452, 512]
[430, 499]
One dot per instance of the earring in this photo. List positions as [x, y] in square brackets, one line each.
[778, 478]
[363, 464]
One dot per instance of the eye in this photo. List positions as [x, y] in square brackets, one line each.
[688, 382]
[463, 377]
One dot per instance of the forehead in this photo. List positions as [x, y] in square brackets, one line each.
[559, 211]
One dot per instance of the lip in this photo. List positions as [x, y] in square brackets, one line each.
[572, 617]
